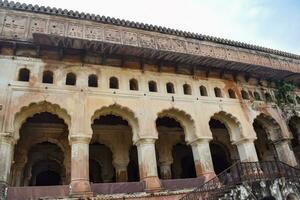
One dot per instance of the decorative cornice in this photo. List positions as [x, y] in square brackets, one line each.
[129, 24]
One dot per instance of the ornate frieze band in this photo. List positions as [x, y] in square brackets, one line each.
[18, 25]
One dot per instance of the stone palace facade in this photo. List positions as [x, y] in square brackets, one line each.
[87, 100]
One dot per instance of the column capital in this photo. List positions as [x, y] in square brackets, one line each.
[120, 164]
[244, 140]
[200, 140]
[80, 138]
[7, 138]
[143, 141]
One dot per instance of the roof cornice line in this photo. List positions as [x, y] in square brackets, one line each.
[130, 24]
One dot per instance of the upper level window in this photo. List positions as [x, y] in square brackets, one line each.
[203, 91]
[71, 79]
[218, 92]
[170, 88]
[152, 86]
[187, 89]
[133, 84]
[245, 94]
[47, 77]
[231, 94]
[93, 80]
[257, 96]
[24, 74]
[113, 83]
[268, 97]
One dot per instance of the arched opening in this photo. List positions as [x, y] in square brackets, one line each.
[268, 97]
[113, 83]
[257, 96]
[294, 126]
[175, 157]
[245, 95]
[267, 132]
[298, 100]
[133, 84]
[203, 91]
[170, 88]
[100, 163]
[42, 154]
[114, 150]
[93, 80]
[218, 92]
[187, 90]
[222, 151]
[71, 79]
[152, 86]
[48, 77]
[231, 94]
[24, 75]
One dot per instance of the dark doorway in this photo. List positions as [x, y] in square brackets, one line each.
[47, 178]
[133, 165]
[219, 157]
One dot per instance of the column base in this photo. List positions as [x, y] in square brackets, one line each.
[152, 184]
[208, 175]
[80, 188]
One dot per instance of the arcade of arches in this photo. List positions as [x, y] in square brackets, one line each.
[45, 154]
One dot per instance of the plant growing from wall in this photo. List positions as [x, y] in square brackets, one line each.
[283, 96]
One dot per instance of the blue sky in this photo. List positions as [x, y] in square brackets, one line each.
[269, 23]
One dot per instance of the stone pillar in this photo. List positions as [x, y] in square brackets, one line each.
[121, 171]
[80, 185]
[6, 156]
[165, 170]
[165, 161]
[202, 158]
[147, 164]
[285, 153]
[247, 151]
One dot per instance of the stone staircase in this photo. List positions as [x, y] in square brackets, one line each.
[251, 180]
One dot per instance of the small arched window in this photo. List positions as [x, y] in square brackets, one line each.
[231, 94]
[93, 80]
[203, 91]
[245, 94]
[24, 75]
[298, 99]
[268, 97]
[218, 92]
[133, 84]
[187, 89]
[113, 83]
[71, 79]
[170, 88]
[47, 77]
[152, 86]
[257, 96]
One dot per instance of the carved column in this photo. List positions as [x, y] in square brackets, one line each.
[121, 170]
[147, 164]
[6, 156]
[202, 158]
[165, 161]
[285, 153]
[80, 184]
[247, 151]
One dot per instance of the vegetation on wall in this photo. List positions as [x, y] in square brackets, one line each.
[283, 96]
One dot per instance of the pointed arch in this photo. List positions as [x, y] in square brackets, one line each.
[270, 125]
[186, 121]
[124, 112]
[35, 108]
[232, 124]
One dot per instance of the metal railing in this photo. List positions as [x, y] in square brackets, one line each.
[241, 172]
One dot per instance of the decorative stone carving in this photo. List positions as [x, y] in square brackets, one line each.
[130, 38]
[37, 25]
[14, 26]
[112, 35]
[57, 28]
[220, 53]
[193, 48]
[147, 41]
[164, 44]
[75, 30]
[178, 45]
[93, 33]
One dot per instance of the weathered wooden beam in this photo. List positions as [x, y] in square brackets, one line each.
[103, 59]
[14, 48]
[61, 54]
